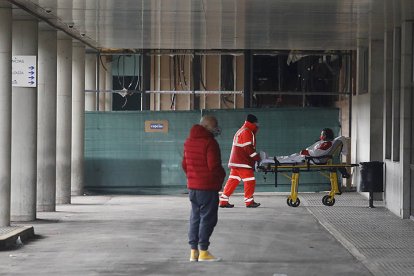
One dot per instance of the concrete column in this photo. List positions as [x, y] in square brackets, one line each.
[108, 86]
[24, 130]
[5, 110]
[78, 118]
[90, 82]
[46, 125]
[361, 109]
[388, 49]
[396, 83]
[376, 91]
[64, 120]
[406, 107]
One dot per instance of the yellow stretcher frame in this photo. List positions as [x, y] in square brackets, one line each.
[293, 199]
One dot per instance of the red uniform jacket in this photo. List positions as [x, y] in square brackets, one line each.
[320, 148]
[202, 161]
[243, 152]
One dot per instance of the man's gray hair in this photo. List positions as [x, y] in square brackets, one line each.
[209, 122]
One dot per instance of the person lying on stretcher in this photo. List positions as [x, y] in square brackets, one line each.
[320, 148]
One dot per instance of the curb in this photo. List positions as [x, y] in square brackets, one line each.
[9, 239]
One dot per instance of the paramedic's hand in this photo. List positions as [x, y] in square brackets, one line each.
[304, 152]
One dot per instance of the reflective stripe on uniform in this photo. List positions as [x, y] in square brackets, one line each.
[236, 138]
[248, 179]
[253, 154]
[239, 165]
[242, 145]
[248, 199]
[235, 177]
[223, 197]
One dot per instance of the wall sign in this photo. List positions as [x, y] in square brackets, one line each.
[156, 126]
[24, 71]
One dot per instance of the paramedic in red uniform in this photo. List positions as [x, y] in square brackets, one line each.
[205, 175]
[242, 162]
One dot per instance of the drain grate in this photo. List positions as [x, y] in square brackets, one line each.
[396, 268]
[346, 199]
[385, 241]
[7, 230]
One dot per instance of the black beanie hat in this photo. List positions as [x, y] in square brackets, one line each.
[251, 118]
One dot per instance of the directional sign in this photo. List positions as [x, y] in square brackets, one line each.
[24, 71]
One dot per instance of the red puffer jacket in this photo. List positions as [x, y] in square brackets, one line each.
[202, 161]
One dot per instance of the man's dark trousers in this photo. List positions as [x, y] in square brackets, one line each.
[203, 219]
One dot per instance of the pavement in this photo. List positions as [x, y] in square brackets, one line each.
[147, 235]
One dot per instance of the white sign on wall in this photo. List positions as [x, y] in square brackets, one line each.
[24, 71]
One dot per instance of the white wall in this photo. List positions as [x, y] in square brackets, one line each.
[360, 140]
[368, 120]
[393, 186]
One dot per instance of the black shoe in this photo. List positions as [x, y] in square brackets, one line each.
[227, 205]
[253, 205]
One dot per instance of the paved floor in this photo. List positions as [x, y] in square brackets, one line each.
[147, 235]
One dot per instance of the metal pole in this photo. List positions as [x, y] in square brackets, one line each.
[97, 80]
[350, 96]
[371, 200]
[146, 80]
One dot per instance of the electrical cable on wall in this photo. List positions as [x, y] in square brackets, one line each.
[201, 74]
[126, 90]
[102, 63]
[227, 78]
[138, 84]
[173, 78]
[183, 70]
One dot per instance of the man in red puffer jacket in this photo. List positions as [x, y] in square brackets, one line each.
[205, 175]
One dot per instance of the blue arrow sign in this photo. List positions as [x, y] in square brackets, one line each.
[24, 71]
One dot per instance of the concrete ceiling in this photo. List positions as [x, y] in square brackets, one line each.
[216, 24]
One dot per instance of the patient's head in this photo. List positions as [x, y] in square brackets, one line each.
[327, 134]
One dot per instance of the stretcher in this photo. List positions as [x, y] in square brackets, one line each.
[326, 165]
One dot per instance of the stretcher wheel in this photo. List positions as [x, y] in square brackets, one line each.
[291, 203]
[328, 201]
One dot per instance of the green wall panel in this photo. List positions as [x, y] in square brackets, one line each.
[120, 157]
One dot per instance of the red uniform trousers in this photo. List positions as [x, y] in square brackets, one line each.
[236, 175]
